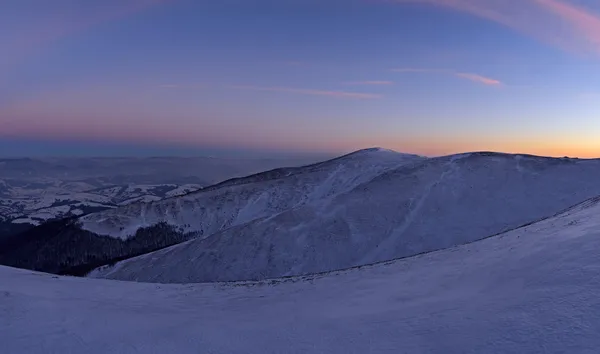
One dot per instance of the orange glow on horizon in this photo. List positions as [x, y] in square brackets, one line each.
[580, 149]
[439, 146]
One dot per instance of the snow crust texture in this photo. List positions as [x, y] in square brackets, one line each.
[531, 290]
[367, 207]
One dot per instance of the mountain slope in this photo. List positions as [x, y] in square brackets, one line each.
[66, 248]
[240, 200]
[421, 206]
[530, 290]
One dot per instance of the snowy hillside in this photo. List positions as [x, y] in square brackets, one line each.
[239, 201]
[76, 251]
[531, 290]
[350, 211]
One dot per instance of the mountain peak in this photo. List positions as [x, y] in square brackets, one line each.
[381, 151]
[377, 149]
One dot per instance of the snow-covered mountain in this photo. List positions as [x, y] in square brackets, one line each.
[239, 201]
[359, 209]
[531, 290]
[75, 250]
[365, 207]
[36, 190]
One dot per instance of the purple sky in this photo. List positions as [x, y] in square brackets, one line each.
[421, 76]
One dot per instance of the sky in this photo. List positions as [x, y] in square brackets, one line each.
[431, 77]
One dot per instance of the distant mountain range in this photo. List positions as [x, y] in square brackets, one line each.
[33, 191]
[36, 202]
[369, 206]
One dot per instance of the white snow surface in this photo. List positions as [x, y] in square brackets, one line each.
[530, 290]
[371, 206]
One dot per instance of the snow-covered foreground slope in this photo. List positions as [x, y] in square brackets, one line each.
[356, 211]
[531, 290]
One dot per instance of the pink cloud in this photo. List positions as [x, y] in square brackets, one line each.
[557, 22]
[373, 83]
[478, 78]
[468, 76]
[583, 22]
[337, 94]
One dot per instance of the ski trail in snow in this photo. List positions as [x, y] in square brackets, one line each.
[385, 245]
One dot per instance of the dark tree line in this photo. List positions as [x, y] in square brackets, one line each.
[8, 230]
[62, 247]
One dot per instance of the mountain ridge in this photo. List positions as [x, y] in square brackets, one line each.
[367, 206]
[285, 171]
[502, 191]
[385, 159]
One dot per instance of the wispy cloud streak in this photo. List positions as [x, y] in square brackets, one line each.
[467, 76]
[336, 94]
[369, 83]
[478, 78]
[415, 70]
[558, 22]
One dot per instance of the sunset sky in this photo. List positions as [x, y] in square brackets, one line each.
[421, 76]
